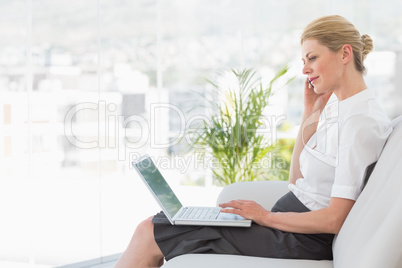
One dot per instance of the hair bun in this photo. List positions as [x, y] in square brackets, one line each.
[367, 45]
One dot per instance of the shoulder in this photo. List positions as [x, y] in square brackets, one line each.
[364, 134]
[365, 116]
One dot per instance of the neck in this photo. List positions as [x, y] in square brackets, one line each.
[351, 84]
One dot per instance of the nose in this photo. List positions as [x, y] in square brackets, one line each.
[306, 69]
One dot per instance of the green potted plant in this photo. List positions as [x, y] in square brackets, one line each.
[231, 133]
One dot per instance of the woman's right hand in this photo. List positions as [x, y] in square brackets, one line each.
[313, 101]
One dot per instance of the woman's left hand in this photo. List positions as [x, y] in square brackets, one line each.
[247, 209]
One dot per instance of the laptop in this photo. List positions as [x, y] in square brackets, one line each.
[173, 208]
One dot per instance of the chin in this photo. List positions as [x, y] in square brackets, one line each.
[317, 90]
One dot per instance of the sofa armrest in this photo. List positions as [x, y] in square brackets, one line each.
[265, 193]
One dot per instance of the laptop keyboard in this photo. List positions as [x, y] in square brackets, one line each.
[194, 213]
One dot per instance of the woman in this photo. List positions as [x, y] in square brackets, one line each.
[327, 171]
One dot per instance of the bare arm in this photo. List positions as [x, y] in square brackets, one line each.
[313, 106]
[326, 220]
[307, 128]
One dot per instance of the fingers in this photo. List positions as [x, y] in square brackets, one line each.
[231, 210]
[230, 207]
[245, 201]
[234, 207]
[236, 203]
[307, 83]
[230, 204]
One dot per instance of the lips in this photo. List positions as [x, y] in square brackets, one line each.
[313, 79]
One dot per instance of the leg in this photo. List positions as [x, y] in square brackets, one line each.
[142, 251]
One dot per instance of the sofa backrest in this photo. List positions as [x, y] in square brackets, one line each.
[372, 233]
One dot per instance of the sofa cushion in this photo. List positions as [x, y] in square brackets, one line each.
[265, 194]
[235, 261]
[372, 235]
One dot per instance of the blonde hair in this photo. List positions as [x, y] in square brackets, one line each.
[334, 32]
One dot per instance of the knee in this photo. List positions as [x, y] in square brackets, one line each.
[145, 228]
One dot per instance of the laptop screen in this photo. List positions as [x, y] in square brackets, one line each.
[159, 186]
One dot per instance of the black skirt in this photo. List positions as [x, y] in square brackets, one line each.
[259, 241]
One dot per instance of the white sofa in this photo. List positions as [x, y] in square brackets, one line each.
[370, 237]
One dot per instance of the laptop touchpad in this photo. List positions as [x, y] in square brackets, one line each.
[230, 216]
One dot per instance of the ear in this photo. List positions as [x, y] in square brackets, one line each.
[347, 53]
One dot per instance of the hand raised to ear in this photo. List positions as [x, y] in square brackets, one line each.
[314, 102]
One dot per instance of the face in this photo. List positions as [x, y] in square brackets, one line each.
[321, 65]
